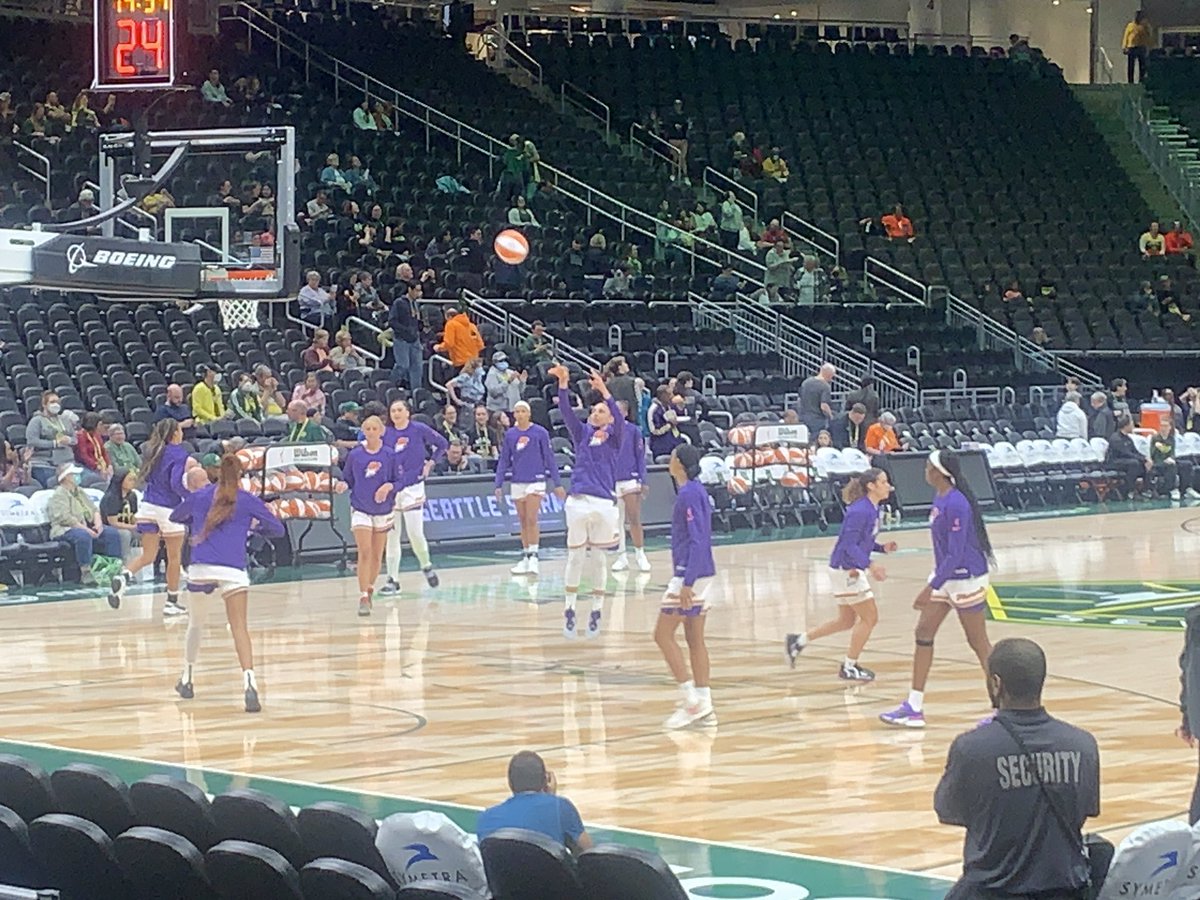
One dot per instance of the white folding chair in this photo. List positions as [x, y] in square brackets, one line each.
[1149, 862]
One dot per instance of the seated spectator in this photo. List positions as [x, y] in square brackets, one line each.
[774, 235]
[90, 450]
[14, 468]
[725, 285]
[521, 216]
[301, 428]
[1143, 300]
[359, 178]
[58, 116]
[365, 292]
[347, 427]
[438, 250]
[479, 435]
[310, 394]
[362, 118]
[504, 384]
[618, 285]
[882, 437]
[739, 151]
[897, 226]
[119, 506]
[36, 125]
[596, 261]
[451, 854]
[456, 461]
[75, 521]
[258, 199]
[1178, 240]
[1072, 421]
[703, 223]
[244, 402]
[1123, 455]
[461, 340]
[537, 346]
[662, 418]
[174, 408]
[1013, 293]
[225, 196]
[345, 357]
[633, 262]
[382, 114]
[1168, 472]
[775, 166]
[207, 403]
[1168, 303]
[498, 424]
[467, 387]
[1152, 243]
[315, 357]
[824, 438]
[850, 428]
[212, 91]
[316, 304]
[1101, 423]
[269, 395]
[447, 423]
[351, 210]
[1168, 397]
[332, 175]
[534, 806]
[318, 207]
[82, 116]
[1191, 409]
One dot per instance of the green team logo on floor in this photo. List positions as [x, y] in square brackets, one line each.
[1151, 605]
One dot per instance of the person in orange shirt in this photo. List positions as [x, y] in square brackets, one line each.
[460, 339]
[881, 437]
[897, 225]
[1178, 240]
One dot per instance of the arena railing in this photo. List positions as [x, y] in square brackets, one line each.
[976, 396]
[597, 204]
[1167, 146]
[826, 244]
[34, 164]
[720, 183]
[643, 139]
[514, 329]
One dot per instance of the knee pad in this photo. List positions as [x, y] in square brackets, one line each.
[921, 643]
[573, 574]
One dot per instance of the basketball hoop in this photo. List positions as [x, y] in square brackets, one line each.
[237, 312]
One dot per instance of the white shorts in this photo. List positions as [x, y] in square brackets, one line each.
[702, 592]
[848, 591]
[632, 486]
[374, 523]
[411, 497]
[591, 521]
[528, 489]
[964, 593]
[151, 517]
[206, 579]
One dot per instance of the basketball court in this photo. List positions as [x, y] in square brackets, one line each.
[422, 704]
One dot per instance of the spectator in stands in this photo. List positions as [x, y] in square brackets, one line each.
[362, 117]
[1152, 243]
[897, 226]
[274, 405]
[882, 437]
[347, 427]
[212, 91]
[816, 395]
[504, 384]
[121, 453]
[365, 292]
[1101, 422]
[779, 265]
[850, 428]
[90, 451]
[1123, 455]
[456, 461]
[1168, 397]
[824, 438]
[1168, 303]
[1019, 49]
[773, 235]
[14, 467]
[345, 357]
[315, 357]
[301, 428]
[82, 116]
[206, 401]
[618, 285]
[332, 175]
[310, 394]
[633, 262]
[58, 117]
[514, 170]
[1143, 301]
[775, 166]
[447, 423]
[1014, 294]
[382, 114]
[725, 285]
[8, 118]
[244, 402]
[479, 435]
[867, 396]
[461, 340]
[316, 304]
[1010, 781]
[1178, 240]
[521, 216]
[225, 196]
[1135, 44]
[406, 325]
[809, 282]
[175, 408]
[467, 388]
[729, 221]
[1191, 409]
[618, 378]
[663, 421]
[359, 178]
[703, 223]
[36, 124]
[570, 265]
[472, 260]
[534, 806]
[75, 521]
[537, 347]
[1120, 393]
[1072, 421]
[1167, 471]
[118, 508]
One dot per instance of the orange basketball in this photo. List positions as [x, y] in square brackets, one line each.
[318, 509]
[251, 457]
[274, 483]
[290, 508]
[510, 245]
[294, 480]
[316, 481]
[741, 436]
[739, 485]
[743, 460]
[764, 457]
[793, 479]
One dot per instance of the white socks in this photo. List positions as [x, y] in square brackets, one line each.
[248, 678]
[916, 700]
[849, 663]
[393, 552]
[569, 600]
[621, 525]
[689, 693]
[414, 524]
[532, 550]
[802, 640]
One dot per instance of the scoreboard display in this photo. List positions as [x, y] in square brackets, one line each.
[134, 44]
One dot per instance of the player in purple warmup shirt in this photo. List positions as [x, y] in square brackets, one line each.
[631, 489]
[591, 508]
[689, 592]
[417, 447]
[961, 554]
[373, 476]
[221, 517]
[526, 453]
[164, 467]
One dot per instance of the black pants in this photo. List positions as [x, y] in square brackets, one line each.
[1194, 811]
[1132, 470]
[1137, 54]
[1172, 478]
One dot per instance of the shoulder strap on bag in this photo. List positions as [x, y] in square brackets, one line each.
[1059, 816]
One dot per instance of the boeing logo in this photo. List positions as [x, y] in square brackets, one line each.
[77, 259]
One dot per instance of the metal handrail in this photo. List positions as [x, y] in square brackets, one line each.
[656, 145]
[42, 176]
[909, 288]
[683, 15]
[505, 47]
[129, 226]
[513, 328]
[371, 327]
[603, 114]
[722, 184]
[1106, 65]
[820, 240]
[436, 357]
[1168, 148]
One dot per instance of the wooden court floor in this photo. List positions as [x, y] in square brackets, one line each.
[430, 696]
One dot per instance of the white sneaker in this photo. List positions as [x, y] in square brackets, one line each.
[1192, 494]
[521, 568]
[620, 564]
[531, 565]
[688, 715]
[174, 609]
[1175, 494]
[643, 564]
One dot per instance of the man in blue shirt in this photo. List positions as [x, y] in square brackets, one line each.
[175, 408]
[534, 806]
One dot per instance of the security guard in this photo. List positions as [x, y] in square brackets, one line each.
[1001, 779]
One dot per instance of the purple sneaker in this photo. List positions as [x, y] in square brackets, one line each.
[903, 717]
[593, 629]
[569, 624]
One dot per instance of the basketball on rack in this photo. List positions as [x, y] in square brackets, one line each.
[510, 245]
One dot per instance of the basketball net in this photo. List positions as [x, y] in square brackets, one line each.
[237, 312]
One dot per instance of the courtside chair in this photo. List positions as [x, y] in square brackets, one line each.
[249, 815]
[342, 832]
[17, 864]
[526, 865]
[337, 879]
[77, 858]
[95, 794]
[160, 865]
[241, 870]
[177, 806]
[25, 788]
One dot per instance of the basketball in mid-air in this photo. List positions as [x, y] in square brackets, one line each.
[510, 245]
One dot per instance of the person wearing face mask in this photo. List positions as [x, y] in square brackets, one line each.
[51, 435]
[207, 403]
[75, 521]
[504, 384]
[244, 402]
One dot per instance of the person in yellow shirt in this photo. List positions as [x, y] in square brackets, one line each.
[461, 340]
[1135, 44]
[1152, 242]
[207, 403]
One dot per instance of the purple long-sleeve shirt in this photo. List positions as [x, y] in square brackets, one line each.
[225, 545]
[691, 534]
[631, 460]
[164, 484]
[956, 551]
[856, 541]
[364, 473]
[528, 455]
[414, 446]
[596, 449]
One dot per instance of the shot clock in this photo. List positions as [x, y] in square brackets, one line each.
[134, 44]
